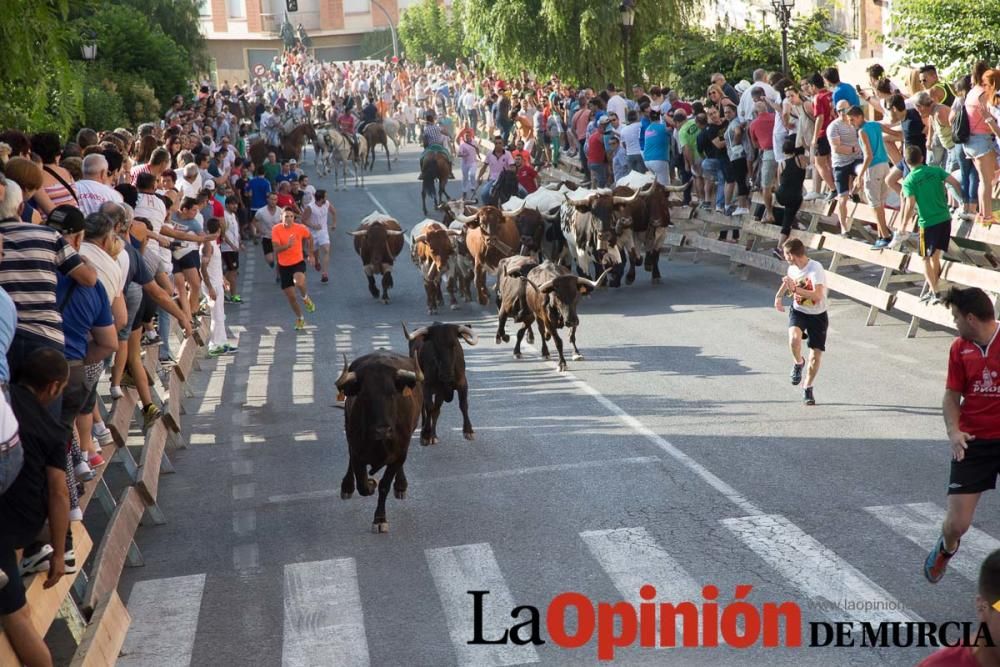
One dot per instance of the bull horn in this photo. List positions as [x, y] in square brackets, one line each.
[513, 214]
[546, 286]
[678, 188]
[454, 232]
[358, 232]
[418, 333]
[464, 219]
[416, 362]
[468, 334]
[406, 375]
[419, 237]
[627, 200]
[593, 284]
[393, 232]
[346, 376]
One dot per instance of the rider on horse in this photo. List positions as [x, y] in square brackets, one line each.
[345, 122]
[369, 114]
[433, 140]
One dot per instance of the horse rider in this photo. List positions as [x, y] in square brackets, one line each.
[369, 114]
[345, 123]
[270, 125]
[433, 140]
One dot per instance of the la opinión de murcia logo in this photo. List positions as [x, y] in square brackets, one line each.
[705, 624]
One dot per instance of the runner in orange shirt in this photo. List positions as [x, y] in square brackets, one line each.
[287, 239]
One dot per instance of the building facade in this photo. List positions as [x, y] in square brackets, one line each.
[244, 33]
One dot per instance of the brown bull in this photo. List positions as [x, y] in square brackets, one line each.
[378, 240]
[641, 225]
[512, 301]
[492, 236]
[432, 252]
[384, 398]
[552, 297]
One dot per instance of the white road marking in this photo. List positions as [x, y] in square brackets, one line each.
[244, 491]
[242, 466]
[244, 522]
[920, 523]
[302, 369]
[377, 203]
[819, 573]
[638, 427]
[632, 558]
[246, 557]
[324, 621]
[212, 396]
[457, 570]
[164, 621]
[476, 476]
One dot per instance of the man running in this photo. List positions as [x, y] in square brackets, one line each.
[264, 222]
[971, 416]
[287, 238]
[320, 217]
[807, 320]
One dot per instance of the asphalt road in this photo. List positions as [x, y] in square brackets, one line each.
[676, 454]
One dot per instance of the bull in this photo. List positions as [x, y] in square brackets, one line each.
[641, 223]
[384, 395]
[438, 348]
[461, 273]
[431, 251]
[588, 225]
[552, 297]
[512, 301]
[492, 236]
[378, 240]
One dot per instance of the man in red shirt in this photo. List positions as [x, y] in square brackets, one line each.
[972, 417]
[825, 114]
[527, 177]
[982, 655]
[597, 156]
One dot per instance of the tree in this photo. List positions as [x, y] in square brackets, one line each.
[428, 28]
[687, 61]
[42, 90]
[951, 34]
[376, 44]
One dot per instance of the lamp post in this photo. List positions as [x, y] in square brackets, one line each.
[89, 47]
[627, 12]
[392, 29]
[783, 10]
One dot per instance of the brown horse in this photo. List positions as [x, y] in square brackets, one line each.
[436, 167]
[375, 135]
[291, 145]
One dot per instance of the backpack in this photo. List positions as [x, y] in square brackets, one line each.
[960, 124]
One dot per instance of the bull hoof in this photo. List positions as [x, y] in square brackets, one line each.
[629, 279]
[657, 281]
[345, 495]
[470, 436]
[454, 306]
[506, 338]
[385, 300]
[373, 291]
[399, 494]
[517, 355]
[372, 485]
[577, 357]
[561, 367]
[531, 338]
[380, 527]
[425, 441]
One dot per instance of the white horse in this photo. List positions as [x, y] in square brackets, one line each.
[333, 147]
[393, 130]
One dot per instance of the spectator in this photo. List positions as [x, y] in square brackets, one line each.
[873, 172]
[656, 150]
[211, 272]
[846, 149]
[93, 190]
[821, 150]
[737, 176]
[967, 169]
[57, 182]
[762, 136]
[980, 147]
[840, 89]
[527, 177]
[631, 139]
[28, 175]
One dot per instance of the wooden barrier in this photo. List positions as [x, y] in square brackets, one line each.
[116, 546]
[105, 634]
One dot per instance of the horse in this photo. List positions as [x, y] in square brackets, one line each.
[375, 135]
[394, 130]
[436, 166]
[503, 189]
[334, 146]
[291, 145]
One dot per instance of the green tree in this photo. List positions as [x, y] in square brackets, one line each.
[41, 88]
[687, 61]
[376, 44]
[428, 28]
[951, 34]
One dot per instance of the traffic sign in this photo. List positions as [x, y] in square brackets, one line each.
[259, 70]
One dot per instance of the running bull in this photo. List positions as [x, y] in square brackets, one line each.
[432, 253]
[378, 240]
[384, 395]
[641, 222]
[492, 236]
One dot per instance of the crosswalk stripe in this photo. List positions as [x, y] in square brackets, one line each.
[920, 523]
[473, 567]
[819, 573]
[633, 558]
[324, 622]
[164, 621]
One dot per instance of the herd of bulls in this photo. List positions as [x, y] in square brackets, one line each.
[532, 246]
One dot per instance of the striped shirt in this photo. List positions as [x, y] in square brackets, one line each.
[32, 254]
[136, 170]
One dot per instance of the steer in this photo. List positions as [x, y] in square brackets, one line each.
[384, 394]
[432, 250]
[461, 273]
[642, 224]
[537, 219]
[552, 297]
[588, 225]
[378, 240]
[442, 360]
[492, 236]
[512, 302]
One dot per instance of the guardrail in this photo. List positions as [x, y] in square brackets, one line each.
[88, 599]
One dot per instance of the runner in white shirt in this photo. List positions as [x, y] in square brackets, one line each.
[320, 217]
[264, 222]
[230, 248]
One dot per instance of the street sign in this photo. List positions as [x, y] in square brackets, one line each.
[259, 70]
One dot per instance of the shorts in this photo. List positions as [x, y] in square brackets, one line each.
[823, 146]
[147, 309]
[267, 246]
[978, 145]
[978, 471]
[876, 188]
[902, 167]
[12, 596]
[813, 327]
[768, 169]
[133, 302]
[287, 274]
[842, 176]
[192, 260]
[935, 238]
[230, 260]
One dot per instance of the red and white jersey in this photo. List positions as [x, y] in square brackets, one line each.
[975, 373]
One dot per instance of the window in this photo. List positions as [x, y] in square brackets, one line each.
[237, 9]
[357, 6]
[204, 8]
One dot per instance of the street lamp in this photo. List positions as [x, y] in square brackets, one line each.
[627, 12]
[89, 47]
[392, 28]
[783, 10]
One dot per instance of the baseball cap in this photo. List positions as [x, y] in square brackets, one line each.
[209, 185]
[66, 219]
[292, 162]
[604, 120]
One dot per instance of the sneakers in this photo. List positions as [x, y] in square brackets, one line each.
[127, 380]
[95, 460]
[236, 298]
[116, 392]
[796, 374]
[83, 471]
[930, 297]
[898, 239]
[310, 306]
[325, 278]
[150, 414]
[705, 206]
[830, 196]
[811, 196]
[101, 432]
[219, 350]
[881, 243]
[36, 558]
[807, 396]
[937, 561]
[75, 514]
[741, 210]
[69, 558]
[720, 209]
[777, 253]
[300, 324]
[150, 338]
